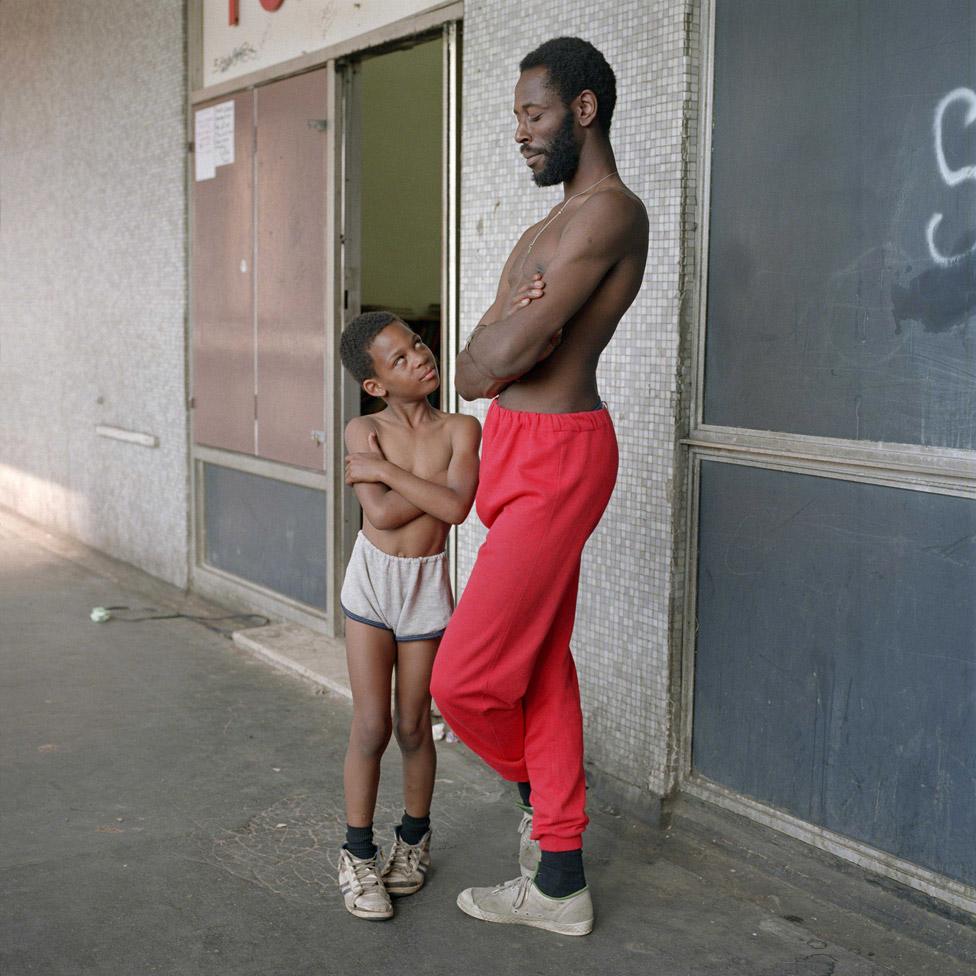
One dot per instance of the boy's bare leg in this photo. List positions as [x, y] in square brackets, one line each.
[406, 869]
[370, 654]
[414, 663]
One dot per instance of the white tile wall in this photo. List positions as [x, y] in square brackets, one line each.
[624, 618]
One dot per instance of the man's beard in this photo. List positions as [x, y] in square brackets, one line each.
[561, 156]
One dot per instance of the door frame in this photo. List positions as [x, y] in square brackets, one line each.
[349, 209]
[342, 510]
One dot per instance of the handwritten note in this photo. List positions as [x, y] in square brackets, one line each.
[203, 144]
[223, 133]
[213, 139]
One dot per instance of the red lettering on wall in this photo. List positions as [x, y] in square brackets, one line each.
[233, 9]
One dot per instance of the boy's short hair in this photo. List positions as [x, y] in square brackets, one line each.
[356, 339]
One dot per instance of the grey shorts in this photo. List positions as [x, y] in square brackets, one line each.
[408, 595]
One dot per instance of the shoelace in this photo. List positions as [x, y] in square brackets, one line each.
[519, 887]
[365, 873]
[404, 855]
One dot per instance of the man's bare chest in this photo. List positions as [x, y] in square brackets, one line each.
[532, 255]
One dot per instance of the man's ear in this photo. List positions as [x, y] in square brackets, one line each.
[374, 387]
[585, 107]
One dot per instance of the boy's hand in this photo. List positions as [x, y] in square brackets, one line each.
[529, 292]
[366, 467]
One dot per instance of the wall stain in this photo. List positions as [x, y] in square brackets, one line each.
[940, 298]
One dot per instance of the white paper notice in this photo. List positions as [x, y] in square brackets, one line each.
[223, 134]
[203, 144]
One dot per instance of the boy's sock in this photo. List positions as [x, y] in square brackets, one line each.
[412, 829]
[359, 841]
[525, 792]
[561, 873]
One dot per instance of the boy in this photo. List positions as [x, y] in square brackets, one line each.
[415, 471]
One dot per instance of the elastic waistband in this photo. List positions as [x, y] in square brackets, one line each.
[375, 551]
[596, 419]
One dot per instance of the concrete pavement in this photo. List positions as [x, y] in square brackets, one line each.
[172, 804]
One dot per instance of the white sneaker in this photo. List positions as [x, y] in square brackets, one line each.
[362, 887]
[406, 870]
[520, 902]
[530, 854]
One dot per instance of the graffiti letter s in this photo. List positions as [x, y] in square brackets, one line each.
[950, 176]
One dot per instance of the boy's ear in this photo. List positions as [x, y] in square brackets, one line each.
[374, 387]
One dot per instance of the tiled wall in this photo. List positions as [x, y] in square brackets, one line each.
[624, 618]
[92, 279]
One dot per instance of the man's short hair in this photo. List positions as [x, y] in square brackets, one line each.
[356, 339]
[575, 65]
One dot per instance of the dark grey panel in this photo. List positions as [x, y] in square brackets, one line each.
[835, 672]
[828, 314]
[268, 532]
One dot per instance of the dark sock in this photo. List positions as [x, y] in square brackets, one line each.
[412, 829]
[525, 792]
[561, 873]
[359, 841]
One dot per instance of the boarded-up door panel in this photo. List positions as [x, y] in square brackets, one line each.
[223, 310]
[291, 172]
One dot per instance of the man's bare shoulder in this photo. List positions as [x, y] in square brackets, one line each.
[616, 206]
[610, 225]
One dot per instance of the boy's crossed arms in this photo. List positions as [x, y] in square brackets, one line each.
[393, 495]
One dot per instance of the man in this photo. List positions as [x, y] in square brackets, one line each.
[504, 677]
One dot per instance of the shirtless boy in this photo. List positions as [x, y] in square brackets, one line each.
[414, 470]
[504, 679]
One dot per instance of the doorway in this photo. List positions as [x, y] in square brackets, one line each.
[400, 192]
[400, 208]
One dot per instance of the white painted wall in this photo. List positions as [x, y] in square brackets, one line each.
[92, 273]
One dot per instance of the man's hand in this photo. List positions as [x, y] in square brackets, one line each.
[530, 291]
[366, 467]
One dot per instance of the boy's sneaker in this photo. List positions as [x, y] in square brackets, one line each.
[362, 887]
[520, 902]
[530, 853]
[406, 869]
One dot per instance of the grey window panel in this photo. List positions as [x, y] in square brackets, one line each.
[827, 312]
[835, 669]
[267, 531]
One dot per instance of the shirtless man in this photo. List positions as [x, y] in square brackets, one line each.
[504, 676]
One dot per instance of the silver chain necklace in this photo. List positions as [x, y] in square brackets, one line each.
[528, 250]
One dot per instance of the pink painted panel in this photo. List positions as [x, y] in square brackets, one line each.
[291, 193]
[222, 286]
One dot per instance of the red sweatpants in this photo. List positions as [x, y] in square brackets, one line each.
[504, 677]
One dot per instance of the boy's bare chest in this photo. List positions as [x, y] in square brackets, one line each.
[426, 455]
